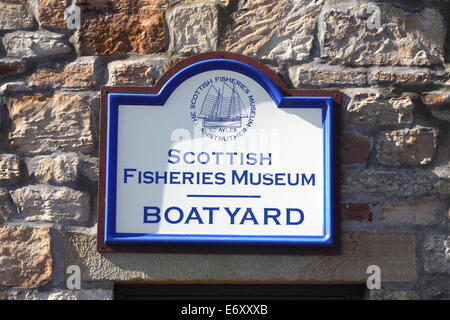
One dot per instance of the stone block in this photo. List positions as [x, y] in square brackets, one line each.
[9, 167]
[382, 34]
[394, 253]
[51, 203]
[355, 148]
[437, 253]
[193, 28]
[136, 71]
[122, 26]
[374, 109]
[44, 124]
[274, 30]
[416, 212]
[25, 256]
[34, 44]
[15, 15]
[416, 146]
[77, 74]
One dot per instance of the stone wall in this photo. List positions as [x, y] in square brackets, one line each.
[390, 59]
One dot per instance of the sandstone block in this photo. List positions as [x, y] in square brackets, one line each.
[50, 203]
[25, 256]
[374, 109]
[137, 71]
[404, 183]
[437, 253]
[10, 66]
[417, 212]
[7, 208]
[34, 44]
[438, 102]
[393, 295]
[15, 16]
[61, 294]
[50, 13]
[193, 28]
[55, 169]
[274, 30]
[313, 76]
[43, 124]
[408, 76]
[382, 34]
[88, 167]
[415, 146]
[9, 167]
[122, 26]
[77, 74]
[393, 252]
[355, 148]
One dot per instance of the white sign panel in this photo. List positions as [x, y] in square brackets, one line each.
[218, 156]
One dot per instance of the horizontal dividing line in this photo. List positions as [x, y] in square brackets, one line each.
[221, 196]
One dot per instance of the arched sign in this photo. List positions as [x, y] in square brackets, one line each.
[217, 154]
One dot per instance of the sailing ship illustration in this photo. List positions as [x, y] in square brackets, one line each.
[222, 108]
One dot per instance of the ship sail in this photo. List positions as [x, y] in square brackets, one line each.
[222, 108]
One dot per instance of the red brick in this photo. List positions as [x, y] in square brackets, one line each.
[356, 211]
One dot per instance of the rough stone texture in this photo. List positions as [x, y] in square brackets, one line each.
[34, 44]
[354, 148]
[62, 294]
[318, 76]
[9, 167]
[49, 124]
[374, 109]
[401, 183]
[438, 102]
[417, 212]
[10, 66]
[437, 288]
[193, 28]
[122, 26]
[415, 146]
[136, 71]
[78, 74]
[403, 38]
[50, 203]
[274, 30]
[437, 253]
[15, 16]
[7, 208]
[408, 76]
[394, 253]
[356, 211]
[25, 257]
[55, 169]
[88, 167]
[50, 13]
[393, 295]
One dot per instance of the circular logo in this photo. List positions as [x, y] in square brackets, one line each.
[223, 108]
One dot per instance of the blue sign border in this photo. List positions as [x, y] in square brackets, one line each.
[159, 99]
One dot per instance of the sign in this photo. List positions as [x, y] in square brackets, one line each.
[217, 155]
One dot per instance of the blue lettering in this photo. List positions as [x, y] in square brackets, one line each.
[126, 175]
[251, 217]
[151, 212]
[232, 215]
[274, 217]
[175, 156]
[288, 216]
[194, 215]
[311, 178]
[166, 215]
